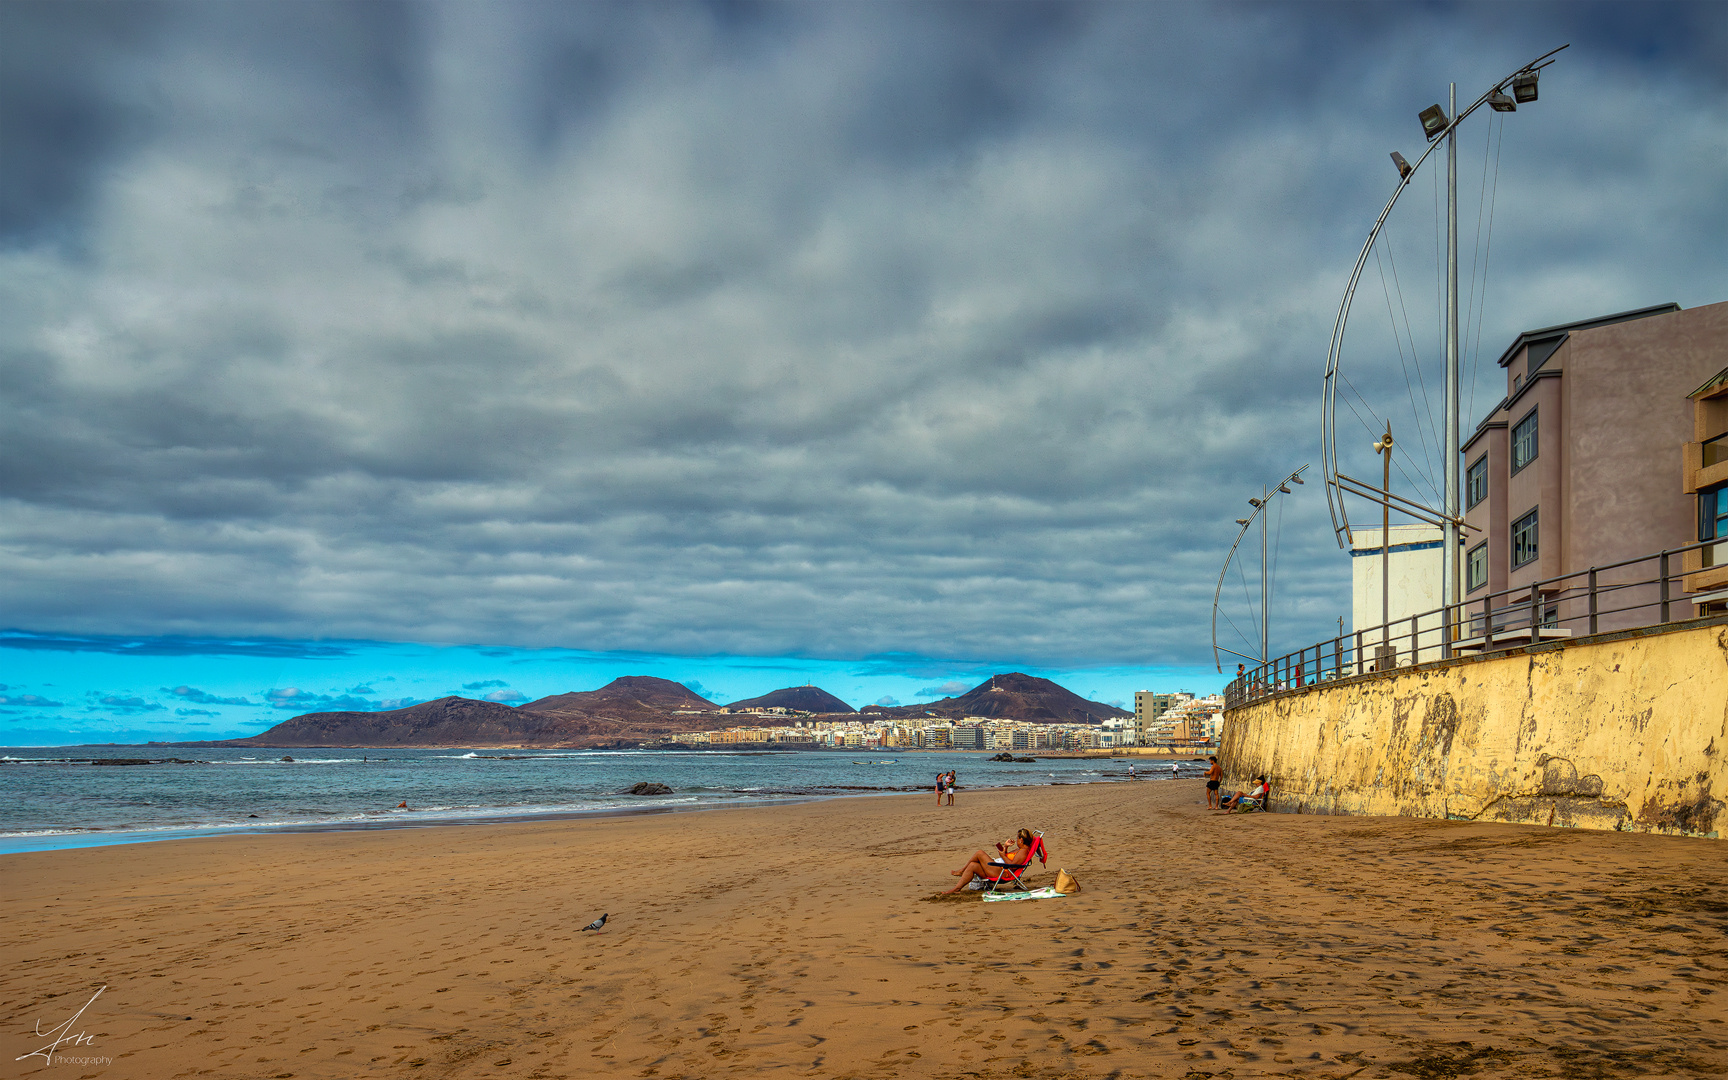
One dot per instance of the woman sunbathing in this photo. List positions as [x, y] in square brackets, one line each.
[1006, 859]
[1234, 803]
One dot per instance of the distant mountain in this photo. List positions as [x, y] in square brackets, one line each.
[628, 709]
[633, 694]
[1014, 696]
[803, 698]
[635, 708]
[451, 721]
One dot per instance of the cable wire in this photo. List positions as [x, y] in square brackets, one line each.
[1422, 435]
[1488, 249]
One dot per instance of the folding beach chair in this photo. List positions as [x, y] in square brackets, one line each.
[1010, 878]
[1254, 806]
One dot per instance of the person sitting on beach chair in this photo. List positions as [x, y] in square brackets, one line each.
[1246, 801]
[1008, 866]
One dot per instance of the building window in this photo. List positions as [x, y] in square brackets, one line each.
[1476, 566]
[1524, 442]
[1524, 540]
[1713, 522]
[1715, 451]
[1476, 482]
[1713, 513]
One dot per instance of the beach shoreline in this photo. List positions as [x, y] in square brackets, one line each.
[806, 939]
[172, 799]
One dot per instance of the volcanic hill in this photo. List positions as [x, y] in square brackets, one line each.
[628, 709]
[627, 694]
[811, 699]
[1014, 696]
[451, 721]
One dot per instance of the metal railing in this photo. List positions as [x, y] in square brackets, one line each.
[1620, 596]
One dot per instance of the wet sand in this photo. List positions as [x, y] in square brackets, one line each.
[804, 940]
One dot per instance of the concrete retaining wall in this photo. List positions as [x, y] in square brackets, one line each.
[1620, 731]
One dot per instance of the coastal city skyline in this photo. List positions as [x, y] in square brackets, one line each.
[740, 345]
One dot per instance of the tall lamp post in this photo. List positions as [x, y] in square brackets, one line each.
[1267, 494]
[1435, 123]
[1383, 447]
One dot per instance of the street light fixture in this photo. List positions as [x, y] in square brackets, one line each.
[1260, 506]
[1404, 169]
[1433, 121]
[1523, 84]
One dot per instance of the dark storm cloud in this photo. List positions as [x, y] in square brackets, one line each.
[886, 331]
[130, 646]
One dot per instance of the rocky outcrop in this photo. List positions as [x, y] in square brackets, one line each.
[647, 789]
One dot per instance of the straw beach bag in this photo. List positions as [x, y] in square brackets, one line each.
[1065, 882]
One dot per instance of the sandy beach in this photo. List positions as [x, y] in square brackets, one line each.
[805, 941]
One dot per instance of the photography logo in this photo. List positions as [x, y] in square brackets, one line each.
[62, 1036]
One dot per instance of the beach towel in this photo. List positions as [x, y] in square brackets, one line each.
[1046, 893]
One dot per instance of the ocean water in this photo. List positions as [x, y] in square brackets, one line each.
[57, 798]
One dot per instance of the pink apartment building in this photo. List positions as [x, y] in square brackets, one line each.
[1585, 463]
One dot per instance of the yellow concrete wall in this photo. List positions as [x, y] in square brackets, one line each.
[1620, 732]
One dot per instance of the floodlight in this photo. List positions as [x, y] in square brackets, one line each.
[1254, 503]
[1524, 88]
[1297, 480]
[1285, 488]
[1434, 120]
[1404, 169]
[1499, 102]
[1241, 521]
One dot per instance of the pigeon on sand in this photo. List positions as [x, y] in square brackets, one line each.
[597, 923]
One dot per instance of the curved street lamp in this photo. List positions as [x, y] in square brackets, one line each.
[1258, 514]
[1435, 124]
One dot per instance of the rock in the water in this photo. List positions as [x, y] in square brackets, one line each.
[285, 757]
[646, 788]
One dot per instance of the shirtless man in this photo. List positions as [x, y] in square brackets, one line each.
[1214, 777]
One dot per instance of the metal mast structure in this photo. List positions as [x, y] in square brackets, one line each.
[1448, 516]
[1267, 494]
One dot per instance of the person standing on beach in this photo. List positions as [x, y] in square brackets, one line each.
[953, 782]
[941, 783]
[1214, 777]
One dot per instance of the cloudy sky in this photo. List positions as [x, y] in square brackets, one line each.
[871, 341]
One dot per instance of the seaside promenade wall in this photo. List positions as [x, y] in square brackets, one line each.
[1620, 731]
